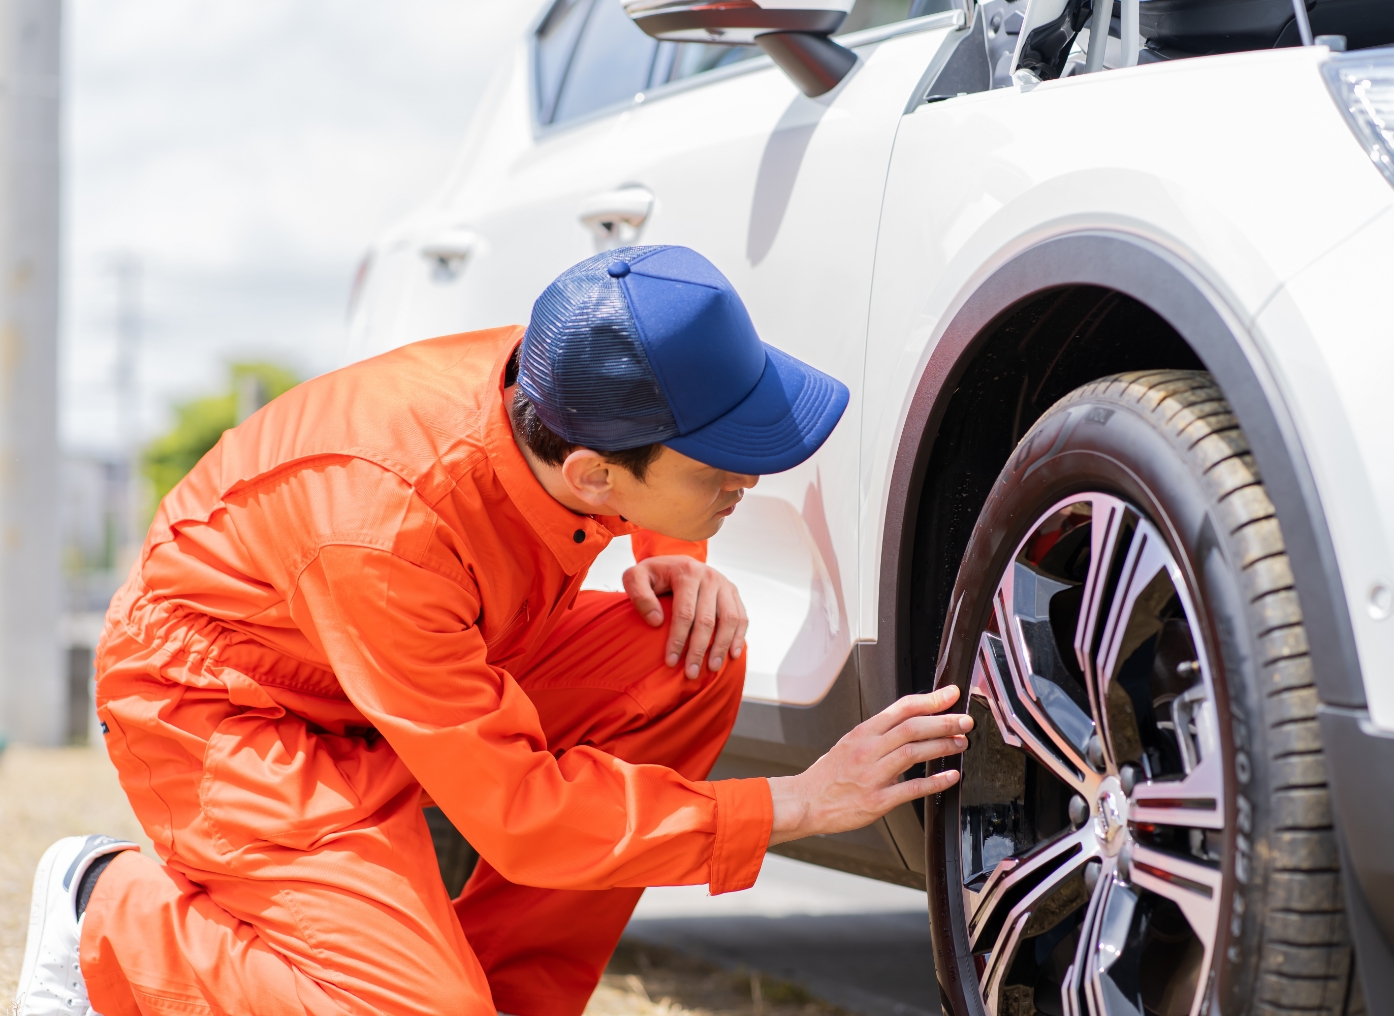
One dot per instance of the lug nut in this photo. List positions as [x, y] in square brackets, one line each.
[1095, 751]
[1079, 811]
[1091, 875]
[1127, 776]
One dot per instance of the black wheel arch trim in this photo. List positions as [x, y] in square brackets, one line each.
[1175, 291]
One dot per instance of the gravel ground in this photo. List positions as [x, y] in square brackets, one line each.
[48, 793]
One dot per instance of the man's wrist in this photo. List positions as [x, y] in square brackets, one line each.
[790, 809]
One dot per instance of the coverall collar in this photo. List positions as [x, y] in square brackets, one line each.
[555, 524]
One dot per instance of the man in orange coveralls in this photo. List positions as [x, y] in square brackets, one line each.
[367, 597]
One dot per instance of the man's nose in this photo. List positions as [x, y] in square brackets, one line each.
[739, 481]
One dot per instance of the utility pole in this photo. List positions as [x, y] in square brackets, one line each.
[33, 692]
[126, 268]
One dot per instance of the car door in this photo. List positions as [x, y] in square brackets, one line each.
[541, 153]
[783, 192]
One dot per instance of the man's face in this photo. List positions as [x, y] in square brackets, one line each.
[678, 496]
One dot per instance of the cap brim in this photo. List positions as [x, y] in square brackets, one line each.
[785, 419]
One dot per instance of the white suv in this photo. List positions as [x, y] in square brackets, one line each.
[1118, 461]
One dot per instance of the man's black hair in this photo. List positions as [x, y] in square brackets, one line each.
[551, 447]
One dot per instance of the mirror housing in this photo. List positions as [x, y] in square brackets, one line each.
[794, 33]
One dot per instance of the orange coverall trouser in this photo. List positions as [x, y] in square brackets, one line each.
[359, 922]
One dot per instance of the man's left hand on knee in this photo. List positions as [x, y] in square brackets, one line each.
[707, 610]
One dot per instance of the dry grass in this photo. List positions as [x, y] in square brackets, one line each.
[47, 793]
[54, 792]
[644, 980]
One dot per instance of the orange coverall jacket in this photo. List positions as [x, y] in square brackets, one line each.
[372, 550]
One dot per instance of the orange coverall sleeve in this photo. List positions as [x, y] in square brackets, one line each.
[647, 544]
[402, 641]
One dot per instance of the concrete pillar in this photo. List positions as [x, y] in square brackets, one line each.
[33, 685]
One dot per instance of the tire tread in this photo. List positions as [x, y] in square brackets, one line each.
[1304, 965]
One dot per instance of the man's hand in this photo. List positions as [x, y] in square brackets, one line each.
[858, 781]
[707, 610]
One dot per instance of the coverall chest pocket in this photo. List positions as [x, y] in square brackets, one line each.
[270, 779]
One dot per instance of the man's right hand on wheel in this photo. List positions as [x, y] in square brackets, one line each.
[858, 781]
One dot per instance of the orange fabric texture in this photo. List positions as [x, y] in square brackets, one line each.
[360, 593]
[647, 545]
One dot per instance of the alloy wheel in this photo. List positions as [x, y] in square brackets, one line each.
[1092, 811]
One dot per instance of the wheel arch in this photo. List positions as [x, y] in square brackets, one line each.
[1088, 268]
[1136, 273]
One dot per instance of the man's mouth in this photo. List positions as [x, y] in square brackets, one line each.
[730, 507]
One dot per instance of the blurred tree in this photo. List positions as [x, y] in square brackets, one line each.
[200, 422]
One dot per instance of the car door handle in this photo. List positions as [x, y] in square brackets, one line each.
[607, 215]
[450, 247]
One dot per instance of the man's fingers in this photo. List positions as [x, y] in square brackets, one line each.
[638, 583]
[703, 625]
[924, 728]
[923, 786]
[738, 643]
[912, 705]
[685, 591]
[921, 751]
[728, 622]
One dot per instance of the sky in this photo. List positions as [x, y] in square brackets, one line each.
[245, 153]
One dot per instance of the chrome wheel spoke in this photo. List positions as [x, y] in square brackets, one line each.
[1107, 944]
[1193, 887]
[1021, 726]
[1026, 897]
[1021, 708]
[1193, 802]
[1106, 533]
[1058, 860]
[1074, 996]
[1145, 567]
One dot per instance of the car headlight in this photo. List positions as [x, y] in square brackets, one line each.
[1363, 86]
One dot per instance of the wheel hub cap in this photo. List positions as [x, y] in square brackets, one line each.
[1111, 817]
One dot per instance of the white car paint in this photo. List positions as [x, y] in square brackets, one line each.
[854, 231]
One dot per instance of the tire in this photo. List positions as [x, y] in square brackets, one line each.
[1126, 580]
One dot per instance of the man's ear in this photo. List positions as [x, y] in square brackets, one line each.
[588, 476]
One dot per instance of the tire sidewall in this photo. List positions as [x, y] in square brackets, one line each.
[1108, 445]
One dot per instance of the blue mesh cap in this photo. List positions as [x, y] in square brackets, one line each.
[646, 345]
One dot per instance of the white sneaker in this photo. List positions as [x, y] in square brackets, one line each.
[51, 983]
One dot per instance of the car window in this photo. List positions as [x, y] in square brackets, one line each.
[611, 63]
[678, 60]
[875, 13]
[556, 39]
[614, 59]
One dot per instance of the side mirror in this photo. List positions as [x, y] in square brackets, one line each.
[794, 33]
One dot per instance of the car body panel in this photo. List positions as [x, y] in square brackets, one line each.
[774, 188]
[1331, 337]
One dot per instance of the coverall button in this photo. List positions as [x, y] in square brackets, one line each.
[579, 536]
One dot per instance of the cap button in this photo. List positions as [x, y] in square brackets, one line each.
[579, 536]
[618, 270]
